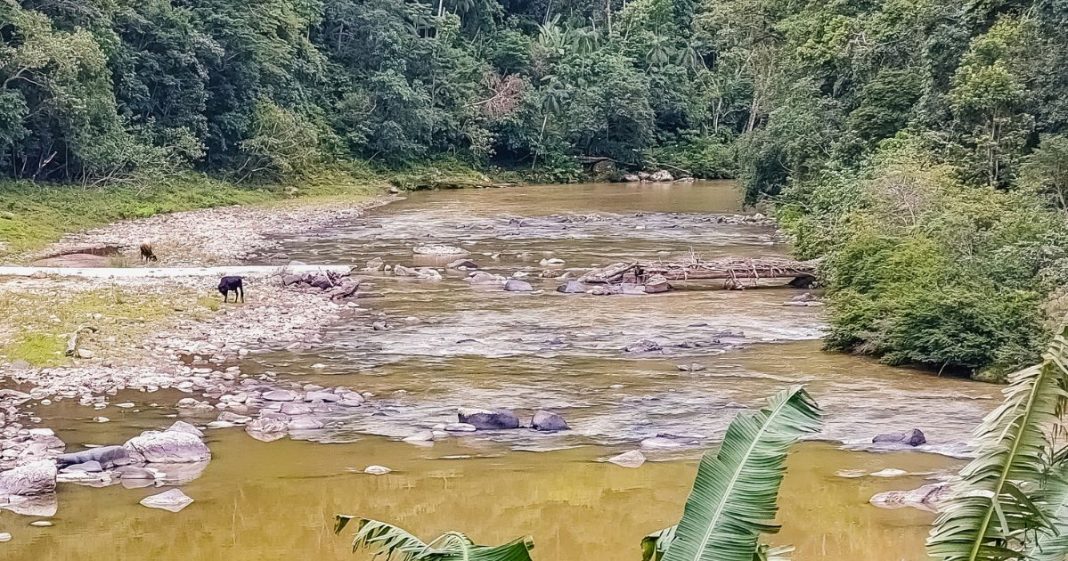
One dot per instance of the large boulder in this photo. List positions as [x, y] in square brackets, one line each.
[547, 421]
[483, 419]
[168, 447]
[107, 456]
[662, 176]
[914, 437]
[34, 478]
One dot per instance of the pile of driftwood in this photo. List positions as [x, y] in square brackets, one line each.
[736, 272]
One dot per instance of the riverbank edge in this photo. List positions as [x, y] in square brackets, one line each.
[34, 215]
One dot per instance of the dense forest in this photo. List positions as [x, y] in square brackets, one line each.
[921, 147]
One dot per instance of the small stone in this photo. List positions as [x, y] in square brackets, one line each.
[631, 459]
[85, 353]
[460, 427]
[420, 437]
[173, 500]
[280, 395]
[5, 537]
[377, 470]
[890, 472]
[41, 524]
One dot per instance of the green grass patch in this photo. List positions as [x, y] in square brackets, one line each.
[37, 349]
[119, 317]
[33, 215]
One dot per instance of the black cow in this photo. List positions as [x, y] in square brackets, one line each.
[231, 284]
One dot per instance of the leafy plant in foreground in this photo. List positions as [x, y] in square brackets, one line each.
[734, 495]
[1009, 503]
[396, 544]
[733, 500]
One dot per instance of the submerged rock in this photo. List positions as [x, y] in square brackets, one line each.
[929, 497]
[462, 264]
[267, 429]
[438, 249]
[460, 427]
[173, 500]
[513, 285]
[643, 346]
[482, 277]
[631, 459]
[572, 287]
[483, 419]
[914, 437]
[547, 421]
[420, 437]
[377, 470]
[34, 478]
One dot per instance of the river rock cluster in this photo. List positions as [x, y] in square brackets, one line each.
[173, 456]
[475, 419]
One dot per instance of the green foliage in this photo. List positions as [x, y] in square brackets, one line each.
[735, 493]
[1009, 501]
[700, 157]
[926, 270]
[392, 542]
[733, 502]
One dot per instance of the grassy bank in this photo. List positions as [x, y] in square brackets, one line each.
[33, 215]
[116, 318]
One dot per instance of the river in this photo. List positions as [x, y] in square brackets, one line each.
[449, 344]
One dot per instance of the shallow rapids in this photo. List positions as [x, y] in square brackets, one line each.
[425, 348]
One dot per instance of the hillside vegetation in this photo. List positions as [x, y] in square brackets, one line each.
[919, 145]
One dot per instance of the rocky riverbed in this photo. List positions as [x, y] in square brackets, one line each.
[152, 335]
[213, 236]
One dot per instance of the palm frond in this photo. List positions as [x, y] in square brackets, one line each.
[1052, 544]
[395, 544]
[655, 545]
[1004, 499]
[736, 490]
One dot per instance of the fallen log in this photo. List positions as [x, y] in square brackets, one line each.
[733, 270]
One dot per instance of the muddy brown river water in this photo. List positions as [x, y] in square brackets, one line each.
[449, 344]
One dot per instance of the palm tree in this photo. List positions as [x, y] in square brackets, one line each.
[734, 495]
[1010, 500]
[395, 544]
